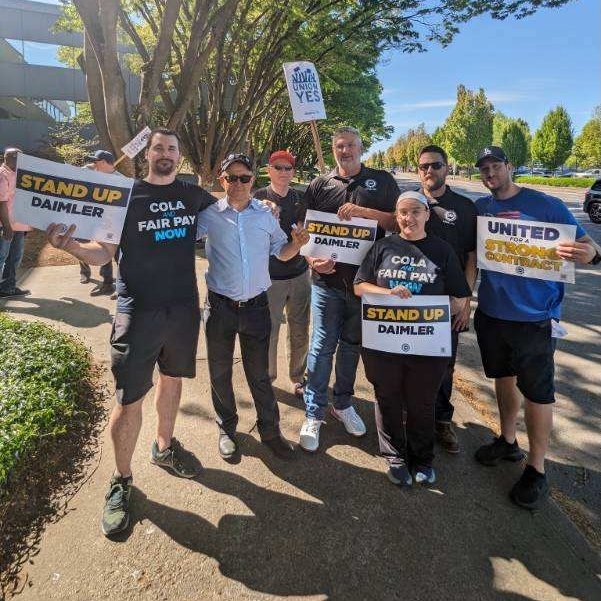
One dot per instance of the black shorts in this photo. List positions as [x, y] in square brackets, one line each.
[518, 348]
[141, 339]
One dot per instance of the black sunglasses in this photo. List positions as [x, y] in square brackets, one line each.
[244, 179]
[436, 166]
[282, 167]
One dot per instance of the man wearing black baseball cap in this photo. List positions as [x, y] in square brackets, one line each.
[103, 161]
[513, 325]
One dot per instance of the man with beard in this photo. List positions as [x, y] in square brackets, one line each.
[514, 327]
[158, 314]
[452, 218]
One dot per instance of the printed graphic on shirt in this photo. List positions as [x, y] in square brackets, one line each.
[171, 220]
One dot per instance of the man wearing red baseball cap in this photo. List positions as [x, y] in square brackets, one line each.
[290, 282]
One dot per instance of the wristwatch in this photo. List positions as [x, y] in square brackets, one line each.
[596, 259]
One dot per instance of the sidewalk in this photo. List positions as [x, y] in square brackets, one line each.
[327, 526]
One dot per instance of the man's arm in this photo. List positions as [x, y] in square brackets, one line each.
[461, 317]
[92, 253]
[387, 221]
[300, 237]
[581, 251]
[7, 230]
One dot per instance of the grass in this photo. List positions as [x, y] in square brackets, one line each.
[561, 182]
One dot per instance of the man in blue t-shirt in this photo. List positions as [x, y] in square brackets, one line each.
[513, 324]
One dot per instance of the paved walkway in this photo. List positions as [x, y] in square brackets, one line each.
[328, 526]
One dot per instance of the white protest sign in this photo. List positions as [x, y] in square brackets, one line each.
[134, 146]
[48, 192]
[341, 241]
[304, 90]
[420, 325]
[524, 248]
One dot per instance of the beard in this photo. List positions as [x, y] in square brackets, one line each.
[163, 167]
[434, 184]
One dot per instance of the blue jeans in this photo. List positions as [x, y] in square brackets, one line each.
[336, 328]
[11, 254]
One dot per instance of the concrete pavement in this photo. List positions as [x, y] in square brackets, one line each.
[327, 526]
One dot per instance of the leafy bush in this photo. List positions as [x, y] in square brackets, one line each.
[562, 182]
[42, 377]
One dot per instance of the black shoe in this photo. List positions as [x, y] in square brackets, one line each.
[101, 289]
[531, 490]
[445, 433]
[84, 279]
[14, 292]
[281, 448]
[491, 454]
[115, 515]
[176, 458]
[227, 445]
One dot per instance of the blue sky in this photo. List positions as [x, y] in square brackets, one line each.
[526, 67]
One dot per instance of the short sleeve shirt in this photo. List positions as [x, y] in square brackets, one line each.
[157, 248]
[371, 188]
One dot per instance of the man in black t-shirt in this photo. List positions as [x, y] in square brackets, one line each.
[290, 284]
[350, 190]
[452, 218]
[158, 316]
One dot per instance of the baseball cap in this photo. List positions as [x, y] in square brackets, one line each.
[493, 152]
[238, 157]
[415, 195]
[283, 155]
[101, 155]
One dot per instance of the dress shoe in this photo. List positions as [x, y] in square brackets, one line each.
[227, 446]
[281, 448]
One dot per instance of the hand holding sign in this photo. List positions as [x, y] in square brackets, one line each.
[349, 210]
[401, 291]
[59, 235]
[578, 252]
[324, 266]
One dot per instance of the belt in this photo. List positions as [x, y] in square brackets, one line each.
[257, 301]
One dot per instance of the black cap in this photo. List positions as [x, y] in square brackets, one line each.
[493, 152]
[230, 159]
[101, 155]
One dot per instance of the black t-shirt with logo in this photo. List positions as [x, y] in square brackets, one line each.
[453, 219]
[290, 208]
[426, 266]
[371, 188]
[156, 252]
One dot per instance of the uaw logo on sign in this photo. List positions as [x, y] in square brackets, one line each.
[420, 325]
[333, 238]
[371, 184]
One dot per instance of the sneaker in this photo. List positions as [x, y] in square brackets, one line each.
[176, 458]
[14, 292]
[491, 454]
[281, 448]
[447, 438]
[84, 279]
[399, 474]
[309, 434]
[531, 490]
[114, 296]
[298, 389]
[424, 474]
[102, 289]
[115, 515]
[353, 423]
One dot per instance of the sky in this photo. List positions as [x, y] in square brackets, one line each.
[526, 67]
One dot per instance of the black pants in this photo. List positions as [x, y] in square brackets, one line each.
[106, 271]
[443, 407]
[405, 384]
[252, 324]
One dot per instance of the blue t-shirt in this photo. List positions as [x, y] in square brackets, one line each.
[516, 298]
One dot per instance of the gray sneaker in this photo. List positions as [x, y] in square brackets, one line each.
[176, 458]
[115, 515]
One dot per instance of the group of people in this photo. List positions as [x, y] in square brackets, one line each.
[255, 275]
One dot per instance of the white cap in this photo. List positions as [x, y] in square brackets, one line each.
[415, 195]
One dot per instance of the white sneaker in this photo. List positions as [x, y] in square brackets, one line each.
[309, 434]
[353, 424]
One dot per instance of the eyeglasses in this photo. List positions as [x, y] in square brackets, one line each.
[436, 166]
[282, 167]
[244, 179]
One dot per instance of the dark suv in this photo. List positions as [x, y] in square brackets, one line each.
[592, 202]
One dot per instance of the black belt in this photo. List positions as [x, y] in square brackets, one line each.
[257, 301]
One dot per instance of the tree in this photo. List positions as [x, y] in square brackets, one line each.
[586, 151]
[469, 126]
[416, 140]
[552, 142]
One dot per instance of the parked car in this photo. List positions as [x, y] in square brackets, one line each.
[592, 202]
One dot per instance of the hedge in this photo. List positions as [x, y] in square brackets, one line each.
[561, 182]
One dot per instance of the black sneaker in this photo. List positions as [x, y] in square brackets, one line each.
[491, 454]
[14, 292]
[281, 448]
[531, 490]
[102, 289]
[176, 458]
[84, 279]
[115, 515]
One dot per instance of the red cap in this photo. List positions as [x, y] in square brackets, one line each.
[283, 155]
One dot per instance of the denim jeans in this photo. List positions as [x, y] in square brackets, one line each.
[336, 329]
[11, 254]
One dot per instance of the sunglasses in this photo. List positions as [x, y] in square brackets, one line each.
[436, 166]
[243, 179]
[282, 167]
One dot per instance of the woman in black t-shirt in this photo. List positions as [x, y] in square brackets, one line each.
[409, 383]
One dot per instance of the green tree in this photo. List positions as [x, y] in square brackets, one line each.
[416, 140]
[469, 126]
[552, 142]
[586, 151]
